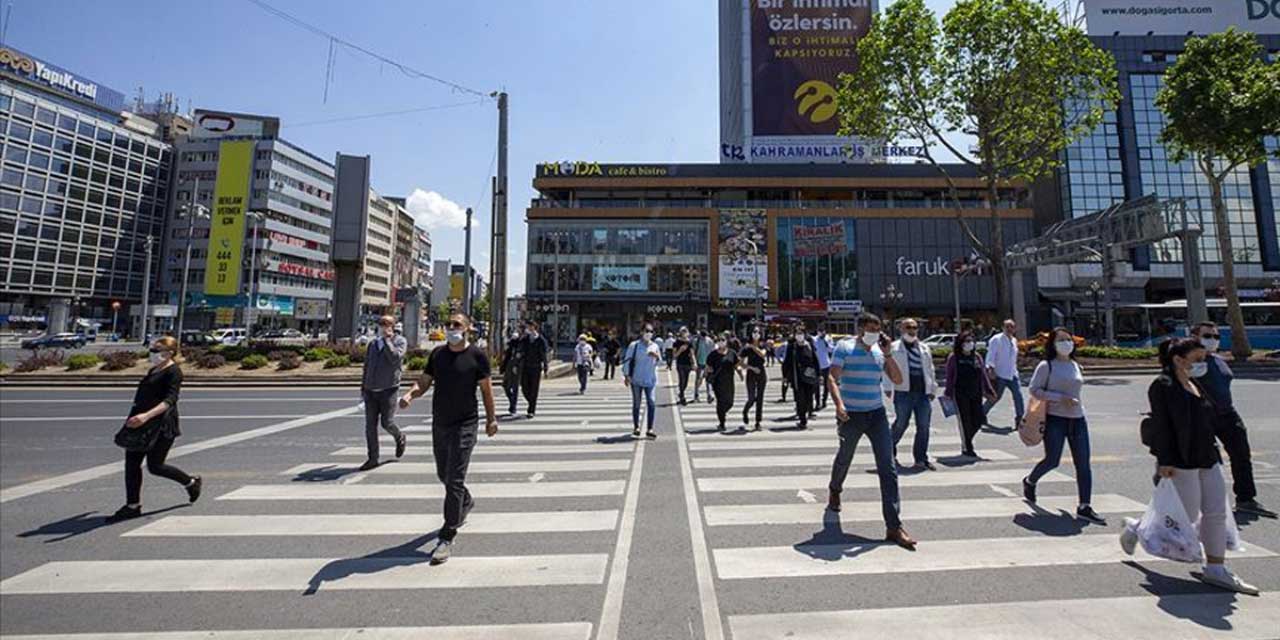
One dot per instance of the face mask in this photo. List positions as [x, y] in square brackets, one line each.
[799, 337]
[453, 336]
[1199, 369]
[870, 338]
[755, 336]
[158, 358]
[1065, 347]
[909, 338]
[1210, 344]
[722, 345]
[968, 347]
[648, 335]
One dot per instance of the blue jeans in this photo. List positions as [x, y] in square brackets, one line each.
[875, 425]
[1015, 388]
[1075, 432]
[636, 392]
[904, 404]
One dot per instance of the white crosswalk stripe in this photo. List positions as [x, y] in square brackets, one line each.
[858, 480]
[399, 491]
[521, 466]
[374, 524]
[502, 450]
[550, 631]
[914, 510]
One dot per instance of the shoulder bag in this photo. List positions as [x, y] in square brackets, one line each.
[1031, 429]
[142, 438]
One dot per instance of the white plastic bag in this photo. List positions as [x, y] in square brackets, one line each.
[1165, 530]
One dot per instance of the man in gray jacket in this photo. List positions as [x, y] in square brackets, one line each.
[379, 386]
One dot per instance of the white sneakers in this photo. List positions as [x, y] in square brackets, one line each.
[440, 554]
[1129, 536]
[1220, 576]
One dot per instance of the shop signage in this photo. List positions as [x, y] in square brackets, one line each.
[292, 241]
[607, 278]
[224, 315]
[743, 248]
[32, 68]
[939, 266]
[844, 306]
[21, 318]
[584, 169]
[300, 270]
[164, 311]
[825, 240]
[803, 306]
[226, 229]
[825, 149]
[1181, 17]
[548, 307]
[282, 305]
[221, 124]
[665, 309]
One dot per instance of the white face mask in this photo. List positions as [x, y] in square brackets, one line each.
[1199, 369]
[1064, 347]
[722, 345]
[870, 338]
[1210, 344]
[968, 347]
[453, 336]
[158, 358]
[799, 337]
[648, 335]
[909, 338]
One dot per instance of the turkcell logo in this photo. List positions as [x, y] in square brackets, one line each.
[1263, 9]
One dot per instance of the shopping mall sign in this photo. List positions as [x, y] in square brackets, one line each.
[34, 69]
[1181, 17]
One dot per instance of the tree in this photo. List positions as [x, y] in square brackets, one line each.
[443, 309]
[1007, 72]
[480, 308]
[1220, 100]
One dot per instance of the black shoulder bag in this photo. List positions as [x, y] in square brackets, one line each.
[142, 438]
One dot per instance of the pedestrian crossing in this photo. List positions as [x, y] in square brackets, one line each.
[556, 502]
[760, 500]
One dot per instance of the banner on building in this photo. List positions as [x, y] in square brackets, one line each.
[311, 309]
[743, 253]
[609, 278]
[1181, 17]
[744, 278]
[824, 240]
[455, 286]
[226, 228]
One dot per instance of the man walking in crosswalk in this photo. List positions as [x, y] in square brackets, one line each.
[456, 369]
[379, 383]
[534, 362]
[640, 374]
[856, 369]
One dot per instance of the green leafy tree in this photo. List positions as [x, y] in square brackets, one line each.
[1220, 100]
[1009, 73]
[443, 309]
[480, 309]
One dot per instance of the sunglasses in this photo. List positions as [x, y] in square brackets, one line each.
[155, 350]
[1211, 336]
[454, 325]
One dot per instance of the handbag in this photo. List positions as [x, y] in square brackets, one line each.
[948, 406]
[1031, 429]
[809, 376]
[140, 439]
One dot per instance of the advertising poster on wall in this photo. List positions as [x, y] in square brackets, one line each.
[609, 278]
[230, 201]
[742, 259]
[1180, 17]
[824, 240]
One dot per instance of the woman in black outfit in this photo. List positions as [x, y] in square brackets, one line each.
[967, 385]
[722, 365]
[612, 348]
[800, 366]
[753, 360]
[155, 405]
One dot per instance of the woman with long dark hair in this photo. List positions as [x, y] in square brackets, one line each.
[1059, 381]
[1182, 440]
[967, 386]
[155, 406]
[753, 361]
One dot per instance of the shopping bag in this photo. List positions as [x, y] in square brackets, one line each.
[1031, 429]
[948, 406]
[1165, 530]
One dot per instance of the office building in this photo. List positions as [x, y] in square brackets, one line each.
[83, 188]
[376, 289]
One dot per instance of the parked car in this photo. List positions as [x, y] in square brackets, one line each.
[940, 340]
[54, 340]
[282, 336]
[231, 336]
[196, 338]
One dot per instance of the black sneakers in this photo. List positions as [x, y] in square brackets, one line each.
[401, 443]
[124, 513]
[652, 435]
[1086, 512]
[369, 465]
[193, 489]
[1029, 490]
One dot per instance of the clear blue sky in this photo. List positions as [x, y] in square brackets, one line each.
[602, 80]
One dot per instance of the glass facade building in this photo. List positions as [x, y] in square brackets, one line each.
[817, 259]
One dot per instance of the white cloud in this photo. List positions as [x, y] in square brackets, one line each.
[434, 211]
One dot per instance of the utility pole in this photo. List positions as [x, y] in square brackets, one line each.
[466, 270]
[194, 210]
[555, 301]
[146, 288]
[498, 269]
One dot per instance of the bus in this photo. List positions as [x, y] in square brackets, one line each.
[1147, 325]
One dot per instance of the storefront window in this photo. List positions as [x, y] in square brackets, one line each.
[817, 259]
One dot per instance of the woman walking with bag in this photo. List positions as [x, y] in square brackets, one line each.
[967, 387]
[1181, 437]
[152, 426]
[1058, 380]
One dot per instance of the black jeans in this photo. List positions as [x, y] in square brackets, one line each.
[610, 367]
[825, 390]
[969, 410]
[724, 400]
[583, 371]
[683, 372]
[755, 396]
[804, 401]
[1235, 439]
[530, 382]
[155, 464]
[379, 406]
[511, 387]
[452, 446]
[875, 425]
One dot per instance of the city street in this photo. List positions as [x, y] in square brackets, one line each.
[581, 532]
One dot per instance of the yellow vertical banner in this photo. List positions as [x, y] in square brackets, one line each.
[230, 203]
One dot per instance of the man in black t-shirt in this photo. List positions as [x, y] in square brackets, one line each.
[682, 352]
[456, 369]
[534, 363]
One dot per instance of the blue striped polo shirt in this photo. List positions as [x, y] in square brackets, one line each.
[860, 375]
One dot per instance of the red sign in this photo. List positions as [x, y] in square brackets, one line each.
[282, 238]
[826, 240]
[803, 306]
[302, 270]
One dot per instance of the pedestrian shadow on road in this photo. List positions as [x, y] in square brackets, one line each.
[832, 544]
[1210, 608]
[402, 555]
[1108, 382]
[81, 524]
[999, 431]
[622, 439]
[326, 474]
[1050, 523]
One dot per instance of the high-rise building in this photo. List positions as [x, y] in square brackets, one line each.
[82, 189]
[422, 261]
[376, 290]
[403, 259]
[271, 207]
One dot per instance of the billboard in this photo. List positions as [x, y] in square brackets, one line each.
[609, 278]
[742, 253]
[226, 228]
[1180, 17]
[36, 70]
[823, 240]
[221, 124]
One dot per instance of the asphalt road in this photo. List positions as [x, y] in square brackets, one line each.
[11, 353]
[579, 532]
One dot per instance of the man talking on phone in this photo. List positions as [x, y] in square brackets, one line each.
[457, 369]
[379, 384]
[856, 369]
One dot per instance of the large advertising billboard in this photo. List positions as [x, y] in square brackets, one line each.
[226, 233]
[743, 253]
[1180, 17]
[225, 124]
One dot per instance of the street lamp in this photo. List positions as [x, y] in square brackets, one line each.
[256, 218]
[115, 314]
[1095, 288]
[888, 298]
[191, 211]
[755, 263]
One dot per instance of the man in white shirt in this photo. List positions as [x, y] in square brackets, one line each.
[823, 346]
[1002, 364]
[915, 394]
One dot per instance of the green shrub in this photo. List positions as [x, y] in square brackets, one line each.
[289, 362]
[3, 366]
[83, 361]
[416, 353]
[235, 353]
[253, 361]
[39, 360]
[337, 362]
[417, 363]
[352, 351]
[317, 354]
[268, 347]
[119, 360]
[1117, 353]
[191, 354]
[211, 361]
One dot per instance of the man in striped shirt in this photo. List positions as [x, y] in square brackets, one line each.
[856, 369]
